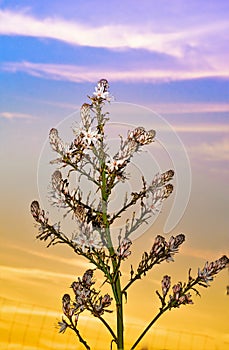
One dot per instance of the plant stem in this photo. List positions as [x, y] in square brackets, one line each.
[149, 326]
[79, 336]
[108, 327]
[106, 188]
[136, 196]
[116, 285]
[119, 311]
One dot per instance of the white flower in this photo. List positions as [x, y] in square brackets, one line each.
[81, 240]
[95, 240]
[101, 90]
[63, 326]
[89, 136]
[88, 238]
[115, 164]
[100, 93]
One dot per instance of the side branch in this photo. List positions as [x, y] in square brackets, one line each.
[138, 275]
[74, 328]
[108, 327]
[82, 171]
[149, 326]
[135, 197]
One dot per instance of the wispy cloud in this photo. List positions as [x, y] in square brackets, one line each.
[197, 107]
[113, 36]
[75, 262]
[30, 273]
[202, 128]
[14, 23]
[15, 115]
[194, 52]
[11, 309]
[92, 74]
[214, 151]
[197, 44]
[205, 254]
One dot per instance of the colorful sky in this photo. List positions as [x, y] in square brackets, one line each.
[167, 56]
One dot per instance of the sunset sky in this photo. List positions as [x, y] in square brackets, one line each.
[167, 65]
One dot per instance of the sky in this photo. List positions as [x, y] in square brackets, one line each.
[167, 65]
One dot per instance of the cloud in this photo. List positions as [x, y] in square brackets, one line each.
[109, 36]
[214, 151]
[30, 310]
[178, 42]
[202, 128]
[190, 52]
[30, 273]
[15, 115]
[205, 254]
[80, 74]
[75, 262]
[197, 107]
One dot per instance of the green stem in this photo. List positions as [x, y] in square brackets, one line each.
[119, 311]
[108, 327]
[140, 273]
[73, 327]
[149, 326]
[136, 197]
[105, 188]
[116, 285]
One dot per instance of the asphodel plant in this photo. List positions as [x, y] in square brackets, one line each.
[88, 156]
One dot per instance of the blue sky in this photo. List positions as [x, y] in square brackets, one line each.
[137, 42]
[171, 56]
[151, 51]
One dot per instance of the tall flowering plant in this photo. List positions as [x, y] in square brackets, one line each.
[88, 156]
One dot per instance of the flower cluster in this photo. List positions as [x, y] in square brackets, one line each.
[116, 166]
[62, 197]
[57, 144]
[59, 190]
[161, 179]
[46, 231]
[160, 189]
[123, 249]
[165, 285]
[173, 246]
[86, 298]
[73, 153]
[179, 296]
[160, 251]
[38, 213]
[85, 114]
[140, 136]
[206, 275]
[101, 92]
[135, 138]
[88, 238]
[86, 137]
